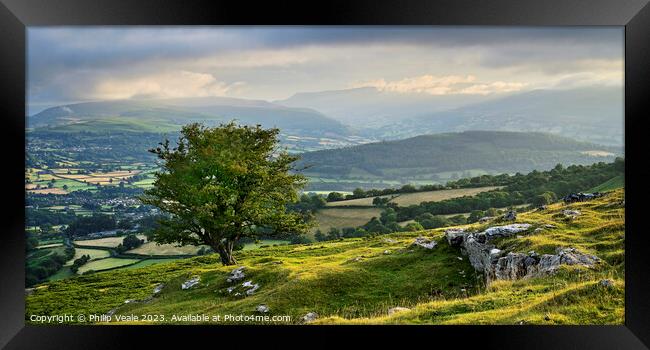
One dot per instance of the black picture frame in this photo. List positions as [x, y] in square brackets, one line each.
[16, 15]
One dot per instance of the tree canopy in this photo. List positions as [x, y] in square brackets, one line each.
[222, 184]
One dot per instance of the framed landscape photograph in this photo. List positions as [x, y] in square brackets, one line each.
[435, 169]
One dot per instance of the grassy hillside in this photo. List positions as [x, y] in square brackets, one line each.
[358, 280]
[610, 185]
[441, 157]
[170, 115]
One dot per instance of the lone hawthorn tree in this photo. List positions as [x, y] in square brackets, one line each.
[222, 184]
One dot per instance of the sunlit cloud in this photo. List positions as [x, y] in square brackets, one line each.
[174, 84]
[442, 85]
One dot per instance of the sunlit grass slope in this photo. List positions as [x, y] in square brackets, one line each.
[358, 280]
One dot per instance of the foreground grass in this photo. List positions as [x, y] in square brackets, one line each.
[356, 281]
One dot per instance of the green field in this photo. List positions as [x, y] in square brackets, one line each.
[153, 248]
[108, 242]
[36, 256]
[610, 185]
[104, 264]
[93, 253]
[354, 281]
[64, 273]
[118, 124]
[51, 245]
[146, 183]
[343, 217]
[325, 193]
[149, 262]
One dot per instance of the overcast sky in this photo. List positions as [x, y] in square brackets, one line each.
[73, 64]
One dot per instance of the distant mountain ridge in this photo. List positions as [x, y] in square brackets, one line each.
[368, 106]
[592, 114]
[146, 115]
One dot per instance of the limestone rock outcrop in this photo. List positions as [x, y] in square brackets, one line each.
[499, 265]
[424, 242]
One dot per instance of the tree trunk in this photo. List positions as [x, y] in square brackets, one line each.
[225, 253]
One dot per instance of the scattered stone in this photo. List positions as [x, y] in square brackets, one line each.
[460, 258]
[111, 312]
[397, 309]
[230, 289]
[158, 288]
[485, 219]
[251, 288]
[238, 294]
[455, 236]
[549, 226]
[571, 213]
[511, 215]
[29, 291]
[190, 283]
[606, 283]
[128, 301]
[247, 284]
[387, 252]
[571, 256]
[391, 241]
[581, 197]
[494, 253]
[505, 231]
[236, 275]
[424, 242]
[355, 259]
[262, 308]
[309, 317]
[538, 230]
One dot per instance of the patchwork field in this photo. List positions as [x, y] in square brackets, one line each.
[69, 179]
[407, 199]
